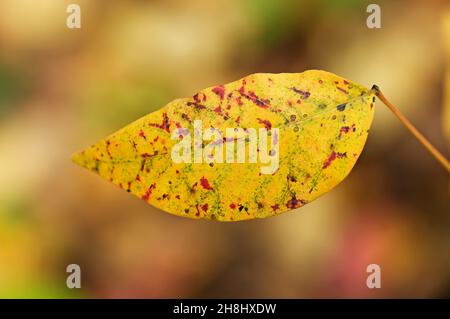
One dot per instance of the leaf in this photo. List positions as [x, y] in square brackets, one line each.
[322, 120]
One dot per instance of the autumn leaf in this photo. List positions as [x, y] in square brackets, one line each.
[316, 122]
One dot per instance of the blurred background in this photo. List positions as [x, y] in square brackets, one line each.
[63, 89]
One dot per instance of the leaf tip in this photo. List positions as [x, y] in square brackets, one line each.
[78, 158]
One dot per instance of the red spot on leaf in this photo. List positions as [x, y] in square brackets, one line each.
[147, 155]
[196, 103]
[342, 90]
[148, 192]
[341, 155]
[266, 123]
[184, 116]
[108, 144]
[164, 125]
[143, 164]
[205, 184]
[303, 94]
[198, 211]
[196, 98]
[218, 110]
[255, 99]
[220, 91]
[345, 130]
[330, 159]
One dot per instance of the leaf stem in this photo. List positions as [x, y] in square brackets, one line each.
[436, 154]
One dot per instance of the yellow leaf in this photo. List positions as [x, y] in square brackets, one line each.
[316, 125]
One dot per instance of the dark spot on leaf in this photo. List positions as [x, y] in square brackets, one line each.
[164, 125]
[291, 178]
[341, 107]
[294, 203]
[303, 94]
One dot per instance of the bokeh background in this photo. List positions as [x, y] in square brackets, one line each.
[62, 89]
